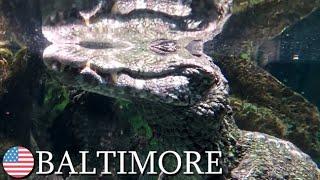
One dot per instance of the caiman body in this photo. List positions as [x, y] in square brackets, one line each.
[151, 54]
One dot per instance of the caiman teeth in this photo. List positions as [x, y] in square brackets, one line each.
[88, 64]
[87, 15]
[86, 20]
[115, 9]
[114, 77]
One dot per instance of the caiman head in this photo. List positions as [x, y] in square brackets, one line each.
[138, 56]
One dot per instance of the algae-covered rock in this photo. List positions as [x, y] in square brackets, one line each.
[5, 56]
[253, 117]
[262, 103]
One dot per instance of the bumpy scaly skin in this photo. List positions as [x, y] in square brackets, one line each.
[260, 95]
[268, 157]
[156, 58]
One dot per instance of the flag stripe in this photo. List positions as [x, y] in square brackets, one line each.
[19, 173]
[17, 168]
[27, 170]
[27, 162]
[18, 165]
[25, 155]
[23, 150]
[25, 159]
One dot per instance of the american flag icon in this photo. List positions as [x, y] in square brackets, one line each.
[18, 162]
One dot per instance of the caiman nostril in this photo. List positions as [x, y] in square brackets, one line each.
[195, 48]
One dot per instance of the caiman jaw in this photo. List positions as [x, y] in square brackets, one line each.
[182, 85]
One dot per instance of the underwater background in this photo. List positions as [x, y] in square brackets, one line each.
[301, 41]
[274, 89]
[303, 74]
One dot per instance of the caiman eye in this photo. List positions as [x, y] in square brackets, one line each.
[163, 46]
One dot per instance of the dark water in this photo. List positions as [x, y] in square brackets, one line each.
[301, 42]
[302, 74]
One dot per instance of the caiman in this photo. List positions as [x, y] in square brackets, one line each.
[151, 53]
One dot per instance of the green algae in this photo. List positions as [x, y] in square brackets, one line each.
[140, 126]
[241, 5]
[245, 56]
[5, 54]
[56, 97]
[253, 117]
[262, 103]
